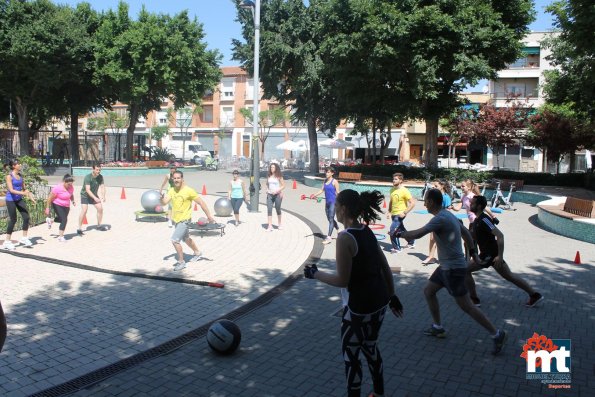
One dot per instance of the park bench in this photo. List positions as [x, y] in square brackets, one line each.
[350, 176]
[573, 208]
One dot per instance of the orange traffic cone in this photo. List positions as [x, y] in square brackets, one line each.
[85, 220]
[204, 190]
[294, 184]
[123, 194]
[384, 204]
[577, 258]
[195, 207]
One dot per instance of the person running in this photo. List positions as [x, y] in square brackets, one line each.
[169, 180]
[452, 271]
[59, 199]
[444, 187]
[470, 190]
[275, 186]
[491, 253]
[92, 192]
[400, 204]
[330, 188]
[181, 197]
[237, 194]
[366, 283]
[15, 195]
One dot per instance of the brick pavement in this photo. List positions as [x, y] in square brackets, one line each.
[291, 346]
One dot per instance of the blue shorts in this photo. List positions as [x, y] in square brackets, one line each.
[451, 279]
[181, 231]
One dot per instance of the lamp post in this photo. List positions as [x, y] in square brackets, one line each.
[255, 169]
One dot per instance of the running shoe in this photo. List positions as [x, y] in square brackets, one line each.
[327, 240]
[80, 232]
[395, 250]
[410, 246]
[499, 342]
[280, 227]
[49, 221]
[179, 266]
[9, 246]
[61, 239]
[26, 242]
[476, 301]
[170, 223]
[269, 229]
[429, 261]
[196, 257]
[534, 300]
[433, 331]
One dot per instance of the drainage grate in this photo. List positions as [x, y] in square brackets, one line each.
[87, 380]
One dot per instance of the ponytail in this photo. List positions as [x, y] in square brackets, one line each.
[363, 206]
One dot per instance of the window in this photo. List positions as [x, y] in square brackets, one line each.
[184, 117]
[227, 116]
[227, 89]
[249, 89]
[207, 114]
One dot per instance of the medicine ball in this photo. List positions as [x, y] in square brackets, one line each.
[224, 336]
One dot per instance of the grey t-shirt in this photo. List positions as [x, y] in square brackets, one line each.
[447, 230]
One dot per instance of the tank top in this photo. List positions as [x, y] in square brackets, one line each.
[330, 193]
[236, 189]
[17, 184]
[366, 291]
[274, 184]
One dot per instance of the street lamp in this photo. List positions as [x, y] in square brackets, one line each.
[255, 169]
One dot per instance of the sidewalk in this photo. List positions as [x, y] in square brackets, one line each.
[291, 346]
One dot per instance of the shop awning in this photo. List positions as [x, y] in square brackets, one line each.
[530, 50]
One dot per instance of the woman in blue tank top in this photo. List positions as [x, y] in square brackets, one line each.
[367, 286]
[15, 194]
[237, 194]
[330, 188]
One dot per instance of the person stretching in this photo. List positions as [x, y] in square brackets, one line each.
[452, 270]
[330, 188]
[491, 253]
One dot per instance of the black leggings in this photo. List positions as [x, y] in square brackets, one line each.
[360, 333]
[61, 215]
[13, 207]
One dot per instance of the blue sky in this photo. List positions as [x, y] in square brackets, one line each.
[218, 18]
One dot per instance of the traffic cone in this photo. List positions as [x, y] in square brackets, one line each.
[85, 220]
[195, 207]
[123, 194]
[204, 190]
[294, 184]
[577, 258]
[384, 204]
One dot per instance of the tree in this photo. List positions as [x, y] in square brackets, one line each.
[292, 70]
[497, 127]
[141, 62]
[459, 125]
[554, 130]
[38, 48]
[116, 123]
[267, 119]
[573, 51]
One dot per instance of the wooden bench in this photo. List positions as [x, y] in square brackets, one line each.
[518, 184]
[350, 176]
[573, 208]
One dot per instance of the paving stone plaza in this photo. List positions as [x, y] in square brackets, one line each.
[106, 315]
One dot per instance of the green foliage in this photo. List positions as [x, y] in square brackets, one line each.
[159, 131]
[162, 154]
[32, 176]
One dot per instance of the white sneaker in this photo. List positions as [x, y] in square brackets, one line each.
[327, 240]
[49, 221]
[196, 257]
[9, 246]
[170, 223]
[179, 266]
[61, 239]
[26, 242]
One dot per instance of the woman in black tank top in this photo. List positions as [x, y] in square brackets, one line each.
[367, 286]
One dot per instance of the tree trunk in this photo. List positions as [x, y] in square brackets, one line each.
[313, 140]
[572, 162]
[374, 141]
[431, 153]
[23, 118]
[74, 137]
[130, 131]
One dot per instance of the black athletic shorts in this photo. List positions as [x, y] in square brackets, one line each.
[451, 279]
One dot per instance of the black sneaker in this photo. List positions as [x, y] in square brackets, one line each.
[79, 232]
[476, 301]
[433, 331]
[534, 300]
[102, 228]
[499, 342]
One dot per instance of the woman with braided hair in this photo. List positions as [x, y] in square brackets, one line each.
[366, 283]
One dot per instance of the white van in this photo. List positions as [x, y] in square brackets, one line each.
[191, 151]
